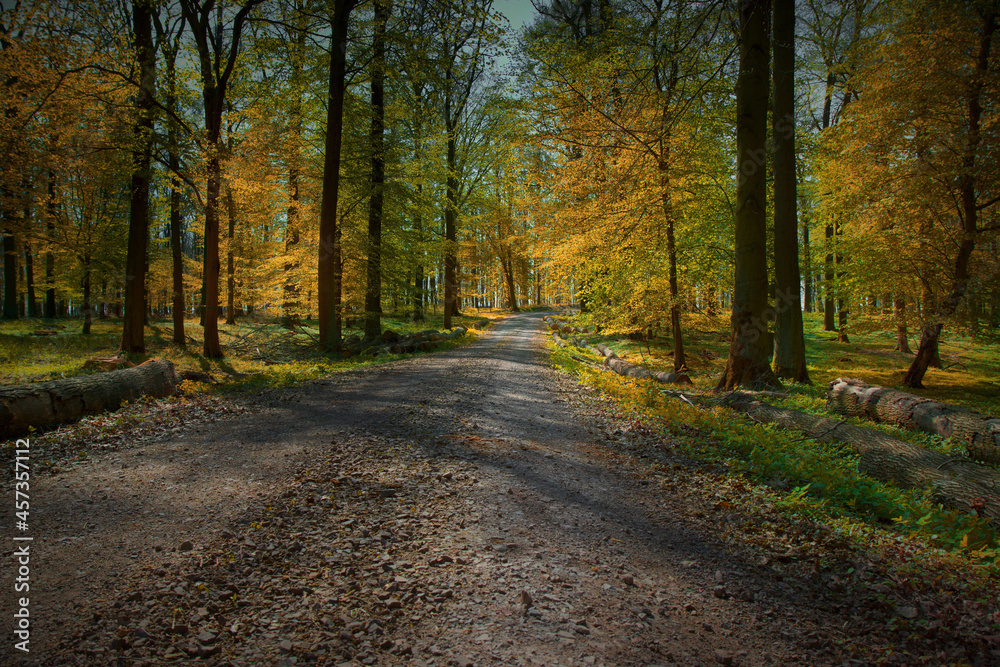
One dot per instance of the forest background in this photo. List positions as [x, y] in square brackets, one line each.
[324, 163]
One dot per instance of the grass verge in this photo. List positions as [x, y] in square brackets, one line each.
[817, 480]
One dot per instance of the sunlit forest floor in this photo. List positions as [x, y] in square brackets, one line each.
[970, 376]
[816, 479]
[259, 352]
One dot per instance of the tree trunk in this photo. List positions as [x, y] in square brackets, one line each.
[828, 309]
[231, 259]
[216, 66]
[751, 345]
[212, 347]
[418, 289]
[9, 276]
[29, 280]
[47, 403]
[173, 163]
[50, 260]
[88, 315]
[291, 306]
[842, 311]
[902, 334]
[680, 362]
[968, 183]
[539, 297]
[980, 433]
[808, 278]
[373, 291]
[138, 227]
[789, 340]
[508, 275]
[177, 258]
[958, 483]
[291, 291]
[450, 237]
[329, 269]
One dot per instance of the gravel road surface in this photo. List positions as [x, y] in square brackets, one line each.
[472, 507]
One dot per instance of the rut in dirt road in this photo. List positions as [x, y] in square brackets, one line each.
[459, 508]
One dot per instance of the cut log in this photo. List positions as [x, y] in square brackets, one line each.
[457, 332]
[584, 345]
[671, 377]
[979, 432]
[58, 401]
[481, 324]
[605, 350]
[624, 368]
[958, 482]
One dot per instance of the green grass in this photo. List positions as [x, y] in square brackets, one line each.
[259, 353]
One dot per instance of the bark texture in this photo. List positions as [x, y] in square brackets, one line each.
[751, 343]
[979, 432]
[789, 342]
[58, 401]
[138, 228]
[958, 482]
[329, 269]
[376, 141]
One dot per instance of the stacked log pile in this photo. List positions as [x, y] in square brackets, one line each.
[979, 432]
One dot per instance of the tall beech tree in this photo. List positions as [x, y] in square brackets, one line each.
[330, 271]
[789, 340]
[460, 55]
[969, 184]
[912, 167]
[376, 140]
[834, 36]
[169, 33]
[749, 348]
[138, 228]
[216, 61]
[296, 31]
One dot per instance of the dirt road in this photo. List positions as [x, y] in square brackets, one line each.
[467, 508]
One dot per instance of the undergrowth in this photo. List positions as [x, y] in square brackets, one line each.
[819, 480]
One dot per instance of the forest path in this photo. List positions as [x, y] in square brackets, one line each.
[404, 514]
